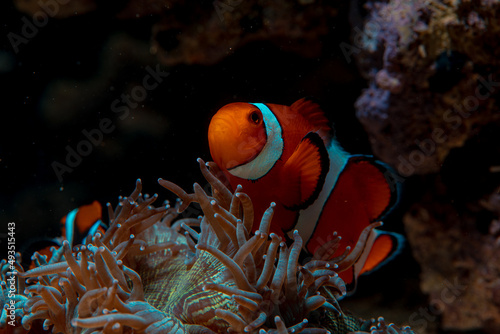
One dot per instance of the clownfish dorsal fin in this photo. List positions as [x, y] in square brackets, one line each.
[313, 113]
[304, 173]
[372, 177]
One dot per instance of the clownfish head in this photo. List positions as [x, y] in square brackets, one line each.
[244, 139]
[236, 134]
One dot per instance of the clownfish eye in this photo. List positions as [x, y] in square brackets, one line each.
[255, 117]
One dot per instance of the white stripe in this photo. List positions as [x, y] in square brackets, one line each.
[308, 217]
[92, 230]
[70, 226]
[270, 153]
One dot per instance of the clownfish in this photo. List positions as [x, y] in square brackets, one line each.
[75, 227]
[80, 223]
[288, 155]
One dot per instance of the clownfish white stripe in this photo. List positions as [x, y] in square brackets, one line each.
[93, 229]
[70, 226]
[309, 217]
[271, 151]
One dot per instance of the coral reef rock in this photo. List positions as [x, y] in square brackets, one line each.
[208, 33]
[434, 76]
[460, 265]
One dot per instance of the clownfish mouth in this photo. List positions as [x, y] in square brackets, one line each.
[229, 167]
[233, 155]
[251, 152]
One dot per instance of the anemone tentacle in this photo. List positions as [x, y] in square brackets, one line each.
[150, 273]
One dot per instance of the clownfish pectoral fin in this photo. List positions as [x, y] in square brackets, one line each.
[377, 189]
[304, 173]
[385, 247]
[313, 113]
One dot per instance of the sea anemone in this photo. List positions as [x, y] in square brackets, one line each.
[153, 273]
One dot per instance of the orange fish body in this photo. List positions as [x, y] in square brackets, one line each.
[287, 155]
